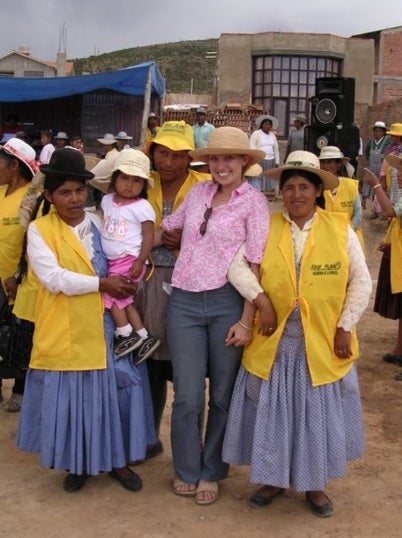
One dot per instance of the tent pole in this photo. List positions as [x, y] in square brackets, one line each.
[147, 105]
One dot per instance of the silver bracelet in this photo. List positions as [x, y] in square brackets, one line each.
[376, 186]
[244, 326]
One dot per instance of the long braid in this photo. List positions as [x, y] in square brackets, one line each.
[23, 261]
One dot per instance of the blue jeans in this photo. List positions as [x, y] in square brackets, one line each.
[197, 325]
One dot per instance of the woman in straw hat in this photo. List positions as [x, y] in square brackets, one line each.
[216, 217]
[345, 196]
[295, 415]
[74, 413]
[388, 298]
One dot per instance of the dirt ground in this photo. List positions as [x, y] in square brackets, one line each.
[368, 501]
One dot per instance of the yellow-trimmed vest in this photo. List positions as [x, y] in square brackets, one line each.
[319, 294]
[344, 200]
[394, 236]
[68, 329]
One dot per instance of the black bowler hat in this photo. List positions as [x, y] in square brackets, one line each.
[67, 163]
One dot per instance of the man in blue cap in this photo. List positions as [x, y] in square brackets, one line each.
[202, 129]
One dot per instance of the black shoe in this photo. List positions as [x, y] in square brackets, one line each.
[152, 452]
[74, 482]
[259, 500]
[123, 345]
[129, 480]
[394, 359]
[147, 346]
[321, 510]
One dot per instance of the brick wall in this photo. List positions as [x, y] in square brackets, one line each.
[235, 115]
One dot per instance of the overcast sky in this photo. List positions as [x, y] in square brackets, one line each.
[98, 26]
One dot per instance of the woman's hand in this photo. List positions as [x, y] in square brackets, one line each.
[238, 336]
[136, 269]
[267, 322]
[118, 286]
[342, 343]
[370, 178]
[171, 240]
[10, 286]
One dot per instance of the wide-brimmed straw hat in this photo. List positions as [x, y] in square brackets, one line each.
[122, 135]
[333, 152]
[395, 129]
[254, 171]
[66, 163]
[175, 135]
[228, 141]
[394, 160]
[134, 162]
[102, 171]
[61, 135]
[304, 160]
[380, 125]
[107, 140]
[21, 151]
[260, 120]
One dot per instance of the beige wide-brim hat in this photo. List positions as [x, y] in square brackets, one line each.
[228, 141]
[304, 160]
[254, 171]
[134, 162]
[394, 160]
[333, 152]
[260, 120]
[103, 171]
[107, 140]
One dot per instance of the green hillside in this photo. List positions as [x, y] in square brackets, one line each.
[183, 64]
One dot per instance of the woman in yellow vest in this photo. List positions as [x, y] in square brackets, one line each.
[345, 197]
[388, 298]
[17, 167]
[71, 413]
[295, 416]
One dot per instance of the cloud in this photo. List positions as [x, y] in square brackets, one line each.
[104, 26]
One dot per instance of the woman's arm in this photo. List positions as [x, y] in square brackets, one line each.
[385, 203]
[54, 277]
[57, 279]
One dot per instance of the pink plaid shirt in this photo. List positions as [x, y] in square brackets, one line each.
[204, 261]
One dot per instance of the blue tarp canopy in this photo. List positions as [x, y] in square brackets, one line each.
[131, 81]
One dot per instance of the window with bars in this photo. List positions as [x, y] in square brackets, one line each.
[285, 84]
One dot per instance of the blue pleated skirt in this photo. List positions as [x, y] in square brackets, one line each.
[88, 421]
[289, 432]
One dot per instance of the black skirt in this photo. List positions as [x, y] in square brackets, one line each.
[387, 304]
[20, 345]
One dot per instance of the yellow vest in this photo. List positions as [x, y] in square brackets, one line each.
[155, 194]
[394, 236]
[68, 329]
[319, 294]
[11, 231]
[343, 201]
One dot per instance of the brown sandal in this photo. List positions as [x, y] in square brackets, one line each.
[183, 489]
[211, 488]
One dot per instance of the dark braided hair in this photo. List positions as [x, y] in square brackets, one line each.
[41, 202]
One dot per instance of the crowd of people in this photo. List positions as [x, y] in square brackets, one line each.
[190, 279]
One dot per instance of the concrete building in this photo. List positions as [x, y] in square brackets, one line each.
[20, 63]
[278, 70]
